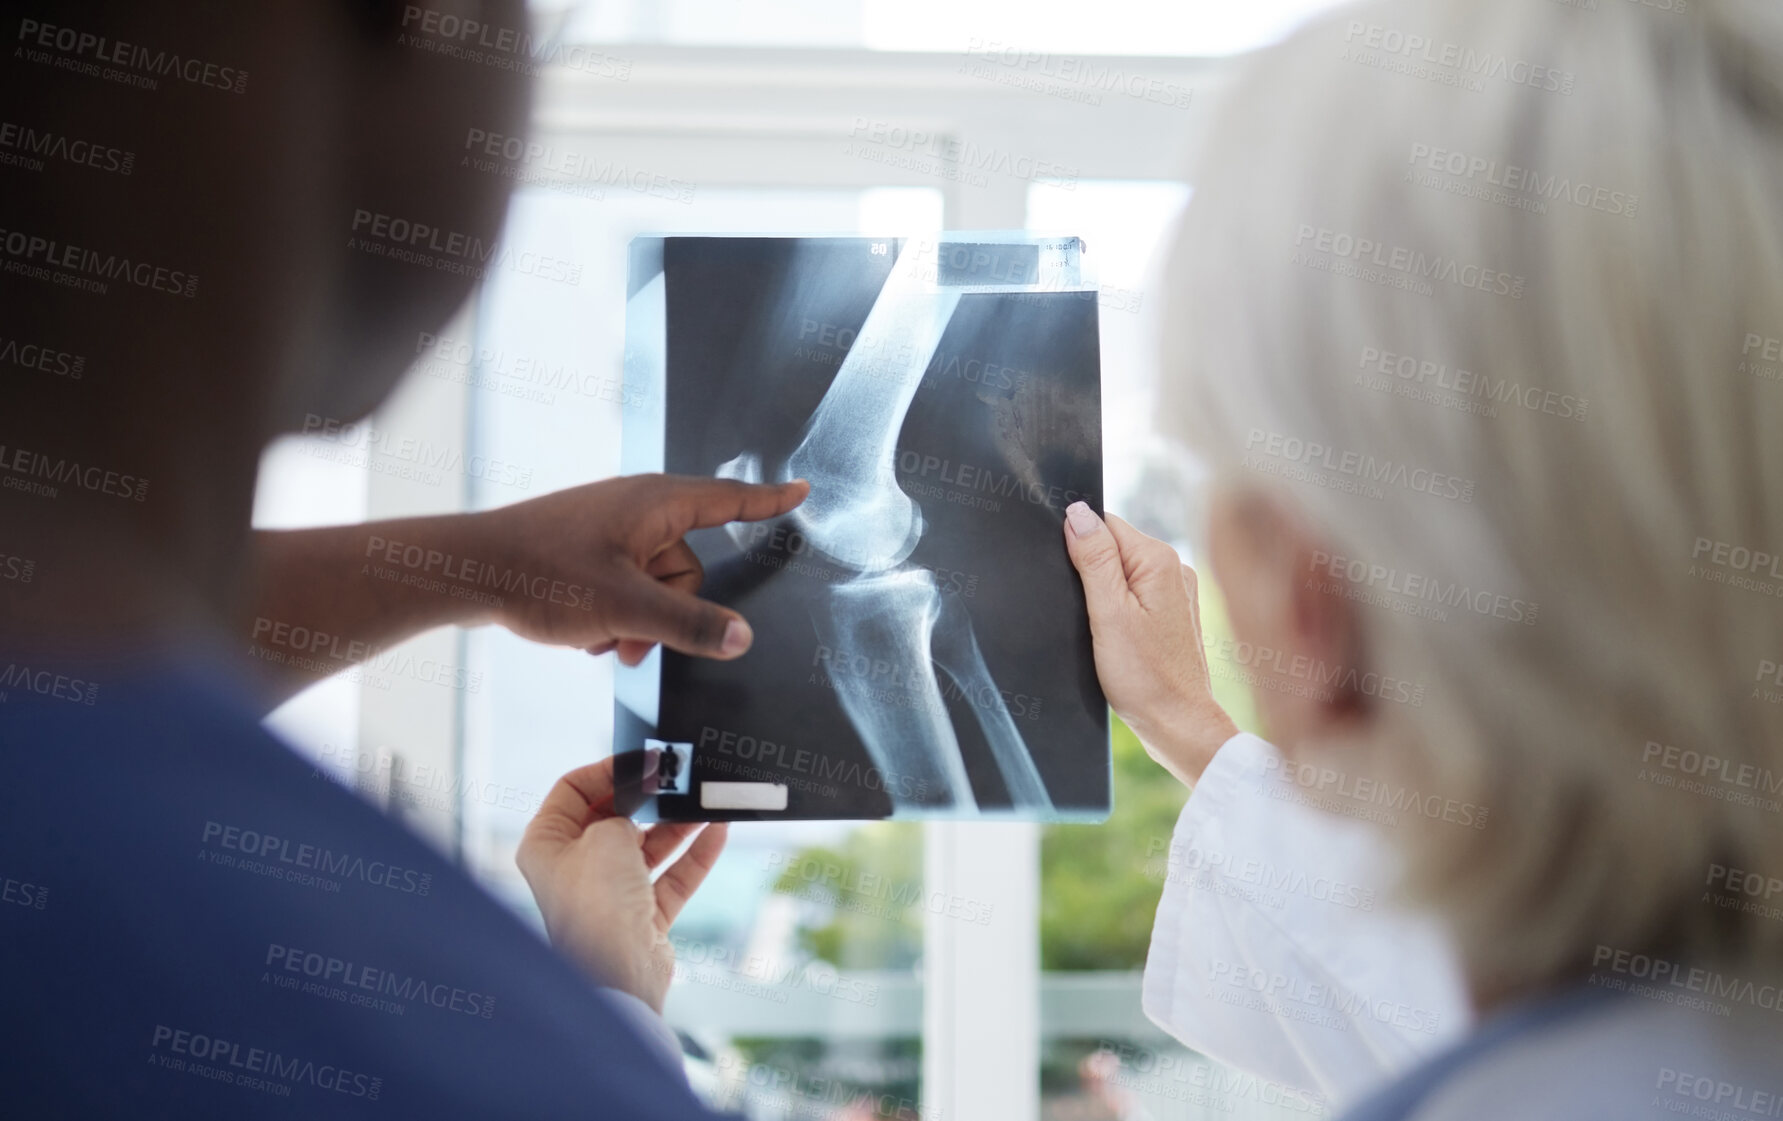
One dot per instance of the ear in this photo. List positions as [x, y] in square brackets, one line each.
[1298, 639]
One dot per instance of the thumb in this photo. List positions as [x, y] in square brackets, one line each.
[652, 611]
[1097, 557]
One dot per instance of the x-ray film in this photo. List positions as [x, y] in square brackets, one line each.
[921, 647]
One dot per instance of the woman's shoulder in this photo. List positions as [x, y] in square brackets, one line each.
[1654, 1051]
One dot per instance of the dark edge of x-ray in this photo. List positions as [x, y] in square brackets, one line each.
[921, 645]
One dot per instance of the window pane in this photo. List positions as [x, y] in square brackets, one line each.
[1125, 227]
[1132, 27]
[299, 486]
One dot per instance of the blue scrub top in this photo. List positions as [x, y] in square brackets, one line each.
[195, 923]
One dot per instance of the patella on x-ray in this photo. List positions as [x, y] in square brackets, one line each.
[921, 646]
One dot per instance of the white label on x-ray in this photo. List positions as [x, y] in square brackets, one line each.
[742, 796]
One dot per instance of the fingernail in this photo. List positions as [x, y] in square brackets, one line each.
[1083, 520]
[737, 637]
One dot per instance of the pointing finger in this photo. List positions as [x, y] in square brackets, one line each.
[698, 503]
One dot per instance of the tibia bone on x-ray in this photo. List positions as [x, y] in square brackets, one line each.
[876, 630]
[884, 634]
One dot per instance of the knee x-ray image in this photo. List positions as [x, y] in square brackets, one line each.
[921, 647]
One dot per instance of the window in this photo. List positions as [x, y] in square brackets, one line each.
[895, 969]
[1124, 27]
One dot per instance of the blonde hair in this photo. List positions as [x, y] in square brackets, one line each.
[1477, 286]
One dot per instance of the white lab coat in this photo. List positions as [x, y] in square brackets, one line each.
[1278, 948]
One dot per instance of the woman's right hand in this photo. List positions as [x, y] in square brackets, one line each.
[1146, 624]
